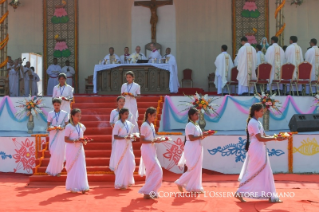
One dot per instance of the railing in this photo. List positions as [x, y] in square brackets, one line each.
[38, 147]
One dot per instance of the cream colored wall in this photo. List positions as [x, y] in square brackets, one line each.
[25, 26]
[201, 28]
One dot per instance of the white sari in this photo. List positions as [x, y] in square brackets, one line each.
[77, 179]
[123, 162]
[256, 175]
[130, 102]
[193, 158]
[149, 161]
[57, 143]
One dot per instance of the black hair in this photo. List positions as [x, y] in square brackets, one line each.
[244, 39]
[67, 61]
[120, 97]
[32, 68]
[111, 48]
[55, 58]
[284, 48]
[130, 73]
[275, 39]
[294, 39]
[255, 107]
[259, 47]
[62, 75]
[191, 112]
[150, 110]
[73, 112]
[224, 47]
[126, 48]
[56, 100]
[313, 41]
[122, 111]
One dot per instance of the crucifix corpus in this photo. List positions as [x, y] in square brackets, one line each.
[153, 5]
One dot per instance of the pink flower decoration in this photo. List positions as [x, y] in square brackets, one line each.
[251, 39]
[251, 6]
[61, 46]
[60, 12]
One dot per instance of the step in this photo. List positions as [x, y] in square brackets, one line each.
[108, 99]
[89, 169]
[96, 161]
[111, 105]
[101, 131]
[107, 145]
[91, 178]
[94, 153]
[100, 117]
[107, 111]
[98, 124]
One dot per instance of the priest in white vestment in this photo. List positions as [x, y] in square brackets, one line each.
[69, 71]
[137, 55]
[173, 81]
[275, 56]
[125, 57]
[14, 79]
[53, 71]
[260, 55]
[111, 57]
[312, 57]
[27, 76]
[294, 56]
[36, 79]
[224, 65]
[155, 53]
[247, 64]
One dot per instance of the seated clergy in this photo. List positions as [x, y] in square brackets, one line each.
[155, 53]
[224, 65]
[125, 56]
[137, 55]
[111, 57]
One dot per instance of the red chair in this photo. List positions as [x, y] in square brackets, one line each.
[233, 78]
[187, 76]
[263, 75]
[286, 75]
[303, 76]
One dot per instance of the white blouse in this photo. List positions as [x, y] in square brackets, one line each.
[133, 88]
[74, 132]
[148, 131]
[192, 129]
[57, 118]
[114, 117]
[122, 129]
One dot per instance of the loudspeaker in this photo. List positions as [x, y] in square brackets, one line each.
[304, 123]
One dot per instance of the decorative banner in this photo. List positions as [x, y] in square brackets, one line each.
[60, 37]
[250, 19]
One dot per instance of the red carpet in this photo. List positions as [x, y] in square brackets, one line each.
[15, 195]
[95, 116]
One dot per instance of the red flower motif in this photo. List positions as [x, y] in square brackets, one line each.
[25, 157]
[174, 152]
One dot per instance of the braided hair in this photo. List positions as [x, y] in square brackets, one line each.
[151, 111]
[255, 107]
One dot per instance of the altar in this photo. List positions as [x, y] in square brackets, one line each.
[153, 78]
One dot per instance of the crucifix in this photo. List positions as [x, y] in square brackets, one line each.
[153, 5]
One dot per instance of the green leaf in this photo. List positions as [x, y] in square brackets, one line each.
[65, 19]
[55, 20]
[57, 53]
[66, 53]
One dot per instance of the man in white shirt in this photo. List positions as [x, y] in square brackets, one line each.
[294, 56]
[173, 82]
[111, 57]
[53, 71]
[154, 54]
[247, 64]
[27, 76]
[260, 55]
[312, 57]
[224, 65]
[69, 71]
[125, 56]
[275, 56]
[137, 55]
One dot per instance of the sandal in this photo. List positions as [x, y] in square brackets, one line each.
[147, 196]
[239, 197]
[180, 188]
[277, 200]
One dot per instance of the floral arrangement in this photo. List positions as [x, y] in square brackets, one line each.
[296, 2]
[127, 94]
[32, 106]
[59, 127]
[284, 135]
[169, 133]
[162, 138]
[14, 4]
[316, 100]
[268, 101]
[202, 103]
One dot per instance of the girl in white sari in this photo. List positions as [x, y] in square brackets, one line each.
[256, 177]
[56, 118]
[192, 156]
[131, 91]
[149, 161]
[122, 153]
[114, 117]
[75, 166]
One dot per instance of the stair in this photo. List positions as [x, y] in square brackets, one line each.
[95, 116]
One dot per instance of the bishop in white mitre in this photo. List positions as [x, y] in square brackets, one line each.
[111, 57]
[53, 71]
[275, 56]
[294, 56]
[173, 81]
[224, 65]
[69, 71]
[260, 55]
[155, 53]
[312, 57]
[137, 55]
[125, 57]
[247, 64]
